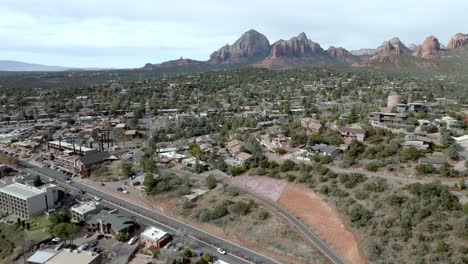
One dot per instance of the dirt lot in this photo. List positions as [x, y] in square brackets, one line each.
[324, 220]
[266, 187]
[272, 236]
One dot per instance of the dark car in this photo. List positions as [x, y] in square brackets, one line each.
[81, 192]
[100, 236]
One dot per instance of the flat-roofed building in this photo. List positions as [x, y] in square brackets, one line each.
[74, 148]
[153, 237]
[27, 201]
[75, 257]
[79, 212]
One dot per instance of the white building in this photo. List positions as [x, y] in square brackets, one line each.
[80, 211]
[153, 237]
[27, 201]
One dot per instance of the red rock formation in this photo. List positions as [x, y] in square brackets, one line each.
[338, 52]
[428, 49]
[250, 46]
[392, 47]
[457, 41]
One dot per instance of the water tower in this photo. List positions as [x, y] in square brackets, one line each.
[393, 100]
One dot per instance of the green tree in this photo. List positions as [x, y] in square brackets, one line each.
[452, 152]
[126, 169]
[37, 181]
[149, 182]
[122, 236]
[65, 231]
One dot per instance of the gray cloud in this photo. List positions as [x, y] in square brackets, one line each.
[124, 33]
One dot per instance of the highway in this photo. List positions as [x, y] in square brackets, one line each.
[236, 253]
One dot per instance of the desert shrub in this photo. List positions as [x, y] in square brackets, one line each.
[351, 180]
[359, 215]
[241, 207]
[373, 166]
[262, 215]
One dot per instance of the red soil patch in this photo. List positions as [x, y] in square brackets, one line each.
[266, 187]
[323, 220]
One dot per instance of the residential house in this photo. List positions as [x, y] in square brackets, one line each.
[244, 158]
[358, 134]
[312, 125]
[325, 150]
[234, 147]
[380, 118]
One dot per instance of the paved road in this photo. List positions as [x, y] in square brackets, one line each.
[237, 253]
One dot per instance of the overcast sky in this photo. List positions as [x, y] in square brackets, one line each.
[124, 33]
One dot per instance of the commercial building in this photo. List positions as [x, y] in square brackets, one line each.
[71, 148]
[79, 212]
[153, 238]
[27, 201]
[109, 222]
[75, 257]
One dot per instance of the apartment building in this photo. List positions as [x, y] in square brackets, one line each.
[27, 201]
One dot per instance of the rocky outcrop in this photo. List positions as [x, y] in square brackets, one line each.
[392, 47]
[341, 55]
[297, 47]
[428, 49]
[457, 41]
[251, 46]
[295, 52]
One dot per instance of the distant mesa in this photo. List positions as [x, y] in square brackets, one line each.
[173, 63]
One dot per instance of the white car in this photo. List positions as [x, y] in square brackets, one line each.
[97, 198]
[125, 191]
[51, 180]
[56, 240]
[221, 251]
[83, 247]
[68, 181]
[133, 240]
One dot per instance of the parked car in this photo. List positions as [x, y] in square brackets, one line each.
[125, 191]
[59, 246]
[97, 198]
[83, 247]
[133, 240]
[56, 240]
